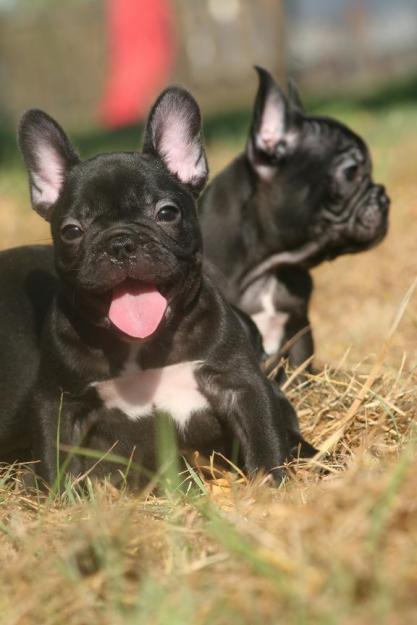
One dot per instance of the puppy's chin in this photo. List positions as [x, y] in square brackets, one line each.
[367, 241]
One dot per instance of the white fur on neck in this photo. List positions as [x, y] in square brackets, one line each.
[139, 393]
[270, 322]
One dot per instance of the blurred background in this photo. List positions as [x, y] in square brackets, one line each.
[101, 62]
[96, 66]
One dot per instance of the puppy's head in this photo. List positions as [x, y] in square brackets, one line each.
[315, 177]
[124, 225]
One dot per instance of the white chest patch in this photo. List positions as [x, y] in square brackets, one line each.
[271, 324]
[138, 393]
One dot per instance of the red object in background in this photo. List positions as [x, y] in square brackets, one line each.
[141, 52]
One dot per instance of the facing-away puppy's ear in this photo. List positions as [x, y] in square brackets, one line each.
[269, 137]
[48, 155]
[173, 134]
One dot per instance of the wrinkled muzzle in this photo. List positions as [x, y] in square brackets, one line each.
[113, 255]
[131, 276]
[369, 222]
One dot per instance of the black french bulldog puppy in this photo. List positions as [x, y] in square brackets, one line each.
[135, 326]
[301, 193]
[27, 286]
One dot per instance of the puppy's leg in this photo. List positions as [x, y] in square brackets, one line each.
[54, 428]
[249, 410]
[124, 451]
[292, 294]
[299, 336]
[285, 419]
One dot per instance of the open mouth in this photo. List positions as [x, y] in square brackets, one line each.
[137, 308]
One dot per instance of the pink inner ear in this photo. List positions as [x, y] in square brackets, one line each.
[49, 175]
[181, 153]
[272, 128]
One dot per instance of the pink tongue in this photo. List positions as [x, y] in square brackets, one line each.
[137, 310]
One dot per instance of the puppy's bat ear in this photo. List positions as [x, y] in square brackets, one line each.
[173, 134]
[269, 136]
[48, 155]
[294, 97]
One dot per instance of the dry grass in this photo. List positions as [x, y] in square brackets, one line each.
[330, 546]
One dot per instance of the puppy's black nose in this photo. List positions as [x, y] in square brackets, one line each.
[121, 246]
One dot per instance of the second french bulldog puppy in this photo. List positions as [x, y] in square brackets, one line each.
[301, 193]
[135, 327]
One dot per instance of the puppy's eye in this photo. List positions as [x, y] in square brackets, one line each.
[350, 172]
[71, 232]
[168, 213]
